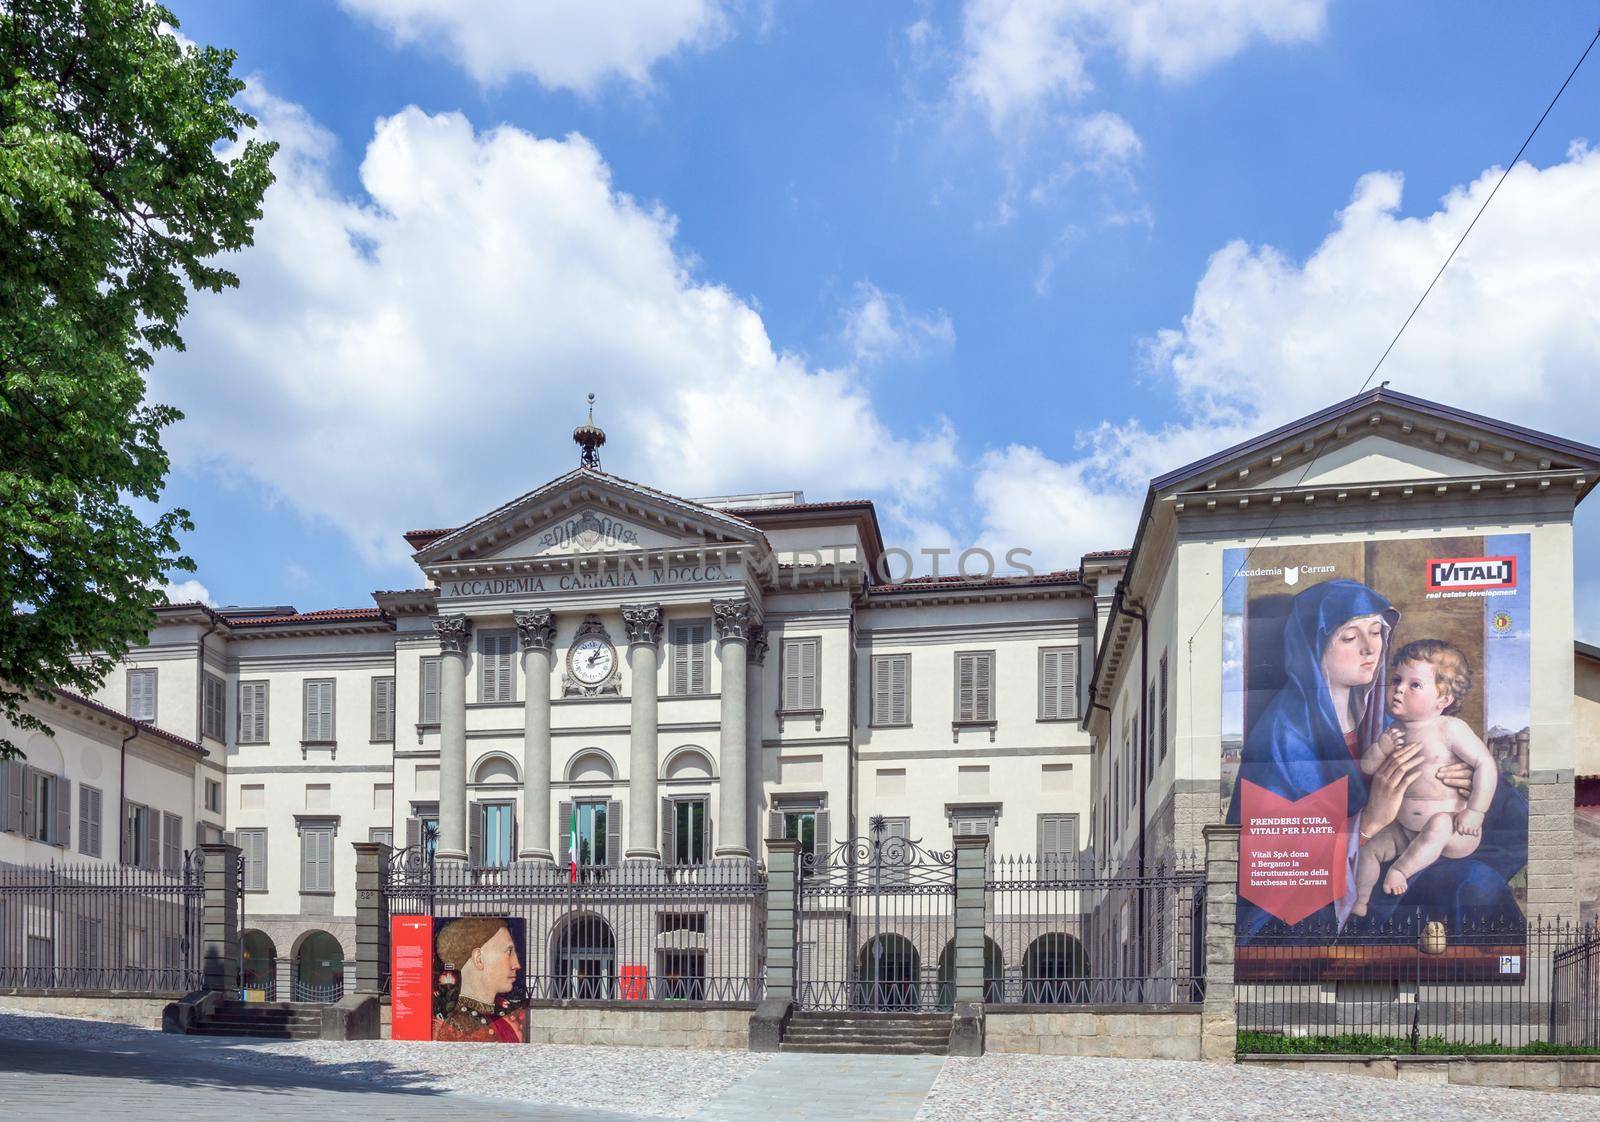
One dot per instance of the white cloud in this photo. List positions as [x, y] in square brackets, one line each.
[417, 356]
[878, 327]
[564, 45]
[188, 591]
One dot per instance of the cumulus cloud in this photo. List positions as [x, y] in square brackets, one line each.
[188, 591]
[563, 45]
[416, 355]
[878, 326]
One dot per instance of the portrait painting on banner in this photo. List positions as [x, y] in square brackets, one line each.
[478, 988]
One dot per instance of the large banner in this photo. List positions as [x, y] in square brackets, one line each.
[1375, 753]
[458, 979]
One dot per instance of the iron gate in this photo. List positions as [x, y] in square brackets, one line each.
[875, 926]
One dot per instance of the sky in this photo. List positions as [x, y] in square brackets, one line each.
[993, 264]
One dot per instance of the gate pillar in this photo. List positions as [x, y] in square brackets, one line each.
[783, 885]
[219, 959]
[971, 873]
[372, 917]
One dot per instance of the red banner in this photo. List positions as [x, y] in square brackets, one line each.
[411, 977]
[635, 982]
[1292, 853]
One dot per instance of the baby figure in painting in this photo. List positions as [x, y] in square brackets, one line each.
[1430, 679]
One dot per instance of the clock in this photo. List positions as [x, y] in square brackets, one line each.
[591, 660]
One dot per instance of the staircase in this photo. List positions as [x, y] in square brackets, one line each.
[274, 1020]
[905, 1034]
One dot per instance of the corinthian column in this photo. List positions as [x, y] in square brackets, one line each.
[537, 632]
[733, 623]
[756, 655]
[454, 644]
[643, 622]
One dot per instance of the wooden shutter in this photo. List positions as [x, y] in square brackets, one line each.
[171, 842]
[252, 712]
[413, 833]
[63, 824]
[822, 840]
[475, 816]
[891, 688]
[613, 833]
[705, 833]
[983, 686]
[383, 709]
[563, 831]
[150, 836]
[1164, 732]
[800, 674]
[774, 824]
[14, 795]
[317, 845]
[669, 822]
[429, 714]
[689, 648]
[256, 860]
[1058, 684]
[88, 821]
[212, 692]
[494, 666]
[142, 695]
[966, 687]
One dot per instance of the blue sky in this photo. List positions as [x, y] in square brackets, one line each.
[992, 264]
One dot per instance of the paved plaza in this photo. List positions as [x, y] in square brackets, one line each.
[56, 1067]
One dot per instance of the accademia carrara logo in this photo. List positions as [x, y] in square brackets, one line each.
[1460, 574]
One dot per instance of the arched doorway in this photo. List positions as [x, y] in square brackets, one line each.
[1055, 970]
[994, 974]
[890, 974]
[318, 968]
[583, 959]
[258, 966]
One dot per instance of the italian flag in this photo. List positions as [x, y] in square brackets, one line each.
[572, 847]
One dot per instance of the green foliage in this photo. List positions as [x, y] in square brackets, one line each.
[121, 176]
[1368, 1044]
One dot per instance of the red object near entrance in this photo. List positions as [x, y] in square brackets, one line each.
[635, 982]
[411, 977]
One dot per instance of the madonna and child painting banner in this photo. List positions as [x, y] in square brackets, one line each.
[458, 979]
[1375, 717]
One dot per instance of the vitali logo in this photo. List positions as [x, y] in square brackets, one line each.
[1455, 574]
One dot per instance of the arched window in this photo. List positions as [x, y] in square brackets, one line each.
[687, 762]
[891, 973]
[318, 968]
[994, 974]
[583, 959]
[258, 965]
[1055, 970]
[495, 768]
[591, 766]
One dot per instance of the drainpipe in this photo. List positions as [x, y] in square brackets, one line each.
[122, 796]
[200, 683]
[1144, 778]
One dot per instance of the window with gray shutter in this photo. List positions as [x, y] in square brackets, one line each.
[319, 699]
[171, 843]
[252, 712]
[253, 845]
[428, 691]
[213, 695]
[800, 657]
[894, 851]
[495, 652]
[1058, 683]
[88, 949]
[14, 803]
[1058, 844]
[142, 695]
[89, 810]
[690, 644]
[975, 686]
[383, 710]
[1163, 730]
[142, 841]
[891, 689]
[316, 858]
[382, 835]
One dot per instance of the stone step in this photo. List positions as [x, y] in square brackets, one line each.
[870, 1041]
[255, 1031]
[270, 1026]
[862, 1049]
[833, 1016]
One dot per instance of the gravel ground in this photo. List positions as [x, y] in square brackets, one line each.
[1021, 1088]
[658, 1082]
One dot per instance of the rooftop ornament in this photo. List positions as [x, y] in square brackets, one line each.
[589, 437]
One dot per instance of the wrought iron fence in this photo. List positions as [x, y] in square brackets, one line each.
[324, 993]
[1070, 930]
[102, 927]
[1411, 985]
[634, 932]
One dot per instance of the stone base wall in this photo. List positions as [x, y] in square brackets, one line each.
[142, 1009]
[1157, 1033]
[1578, 1075]
[1552, 881]
[643, 1024]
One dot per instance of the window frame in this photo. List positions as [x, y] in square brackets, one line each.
[424, 664]
[245, 734]
[1066, 653]
[155, 693]
[376, 728]
[879, 664]
[239, 837]
[213, 706]
[306, 685]
[677, 644]
[310, 826]
[90, 826]
[975, 720]
[497, 637]
[693, 838]
[793, 644]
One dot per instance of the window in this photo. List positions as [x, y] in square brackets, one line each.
[422, 830]
[800, 658]
[687, 830]
[975, 687]
[136, 947]
[252, 712]
[47, 813]
[213, 693]
[595, 838]
[318, 723]
[807, 825]
[142, 837]
[894, 851]
[428, 691]
[495, 651]
[382, 835]
[253, 844]
[41, 960]
[316, 856]
[492, 839]
[171, 842]
[1058, 844]
[90, 804]
[1163, 729]
[13, 794]
[891, 689]
[142, 695]
[683, 975]
[973, 823]
[690, 644]
[383, 710]
[88, 948]
[1058, 683]
[1150, 735]
[214, 796]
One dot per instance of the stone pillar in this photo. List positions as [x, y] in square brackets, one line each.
[219, 918]
[643, 622]
[283, 979]
[733, 620]
[971, 872]
[756, 655]
[454, 644]
[1219, 1024]
[536, 631]
[783, 896]
[372, 918]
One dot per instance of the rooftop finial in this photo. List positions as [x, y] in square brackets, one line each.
[589, 436]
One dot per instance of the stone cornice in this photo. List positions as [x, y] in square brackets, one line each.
[1432, 490]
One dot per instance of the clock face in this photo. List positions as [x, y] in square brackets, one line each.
[592, 661]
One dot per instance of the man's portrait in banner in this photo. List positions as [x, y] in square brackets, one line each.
[477, 981]
[1375, 743]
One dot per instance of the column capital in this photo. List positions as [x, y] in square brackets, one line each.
[536, 629]
[454, 632]
[643, 623]
[733, 618]
[758, 645]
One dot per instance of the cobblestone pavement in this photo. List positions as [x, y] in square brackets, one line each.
[799, 1087]
[1020, 1088]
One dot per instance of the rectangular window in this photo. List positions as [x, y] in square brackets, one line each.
[891, 689]
[213, 719]
[142, 695]
[382, 835]
[800, 657]
[975, 686]
[801, 825]
[683, 975]
[253, 844]
[252, 712]
[41, 953]
[214, 796]
[319, 700]
[1058, 683]
[1162, 728]
[422, 830]
[690, 644]
[90, 808]
[383, 710]
[969, 824]
[48, 812]
[89, 932]
[495, 825]
[495, 652]
[894, 851]
[428, 691]
[171, 843]
[1058, 845]
[688, 832]
[593, 834]
[316, 858]
[142, 837]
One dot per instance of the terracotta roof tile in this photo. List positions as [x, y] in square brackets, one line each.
[951, 583]
[142, 726]
[326, 615]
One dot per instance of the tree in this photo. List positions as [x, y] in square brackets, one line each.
[121, 176]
